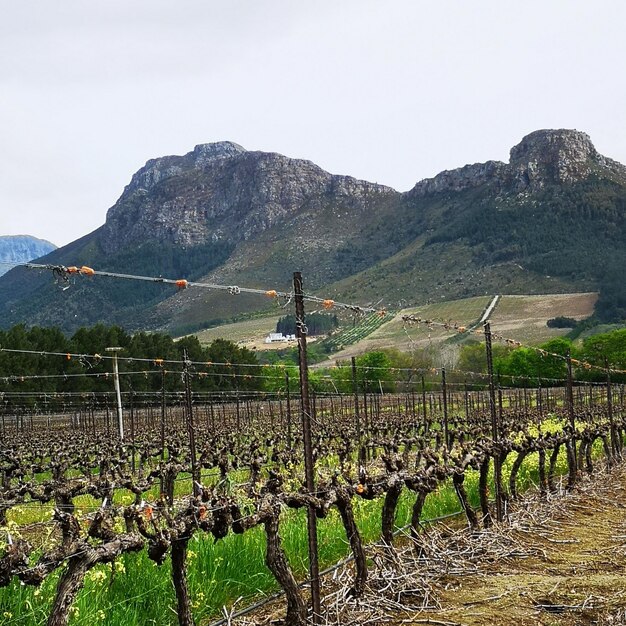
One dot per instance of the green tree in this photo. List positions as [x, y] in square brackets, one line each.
[374, 372]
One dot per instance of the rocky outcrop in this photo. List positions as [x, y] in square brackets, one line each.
[221, 191]
[556, 157]
[543, 157]
[462, 178]
[21, 248]
[157, 170]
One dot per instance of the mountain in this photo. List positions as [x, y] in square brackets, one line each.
[20, 248]
[549, 220]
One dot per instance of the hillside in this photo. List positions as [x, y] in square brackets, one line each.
[549, 221]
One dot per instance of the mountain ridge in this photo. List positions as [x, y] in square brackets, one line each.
[16, 249]
[226, 215]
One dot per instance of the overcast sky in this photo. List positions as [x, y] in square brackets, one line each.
[389, 91]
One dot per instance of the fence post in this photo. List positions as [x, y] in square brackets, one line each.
[424, 398]
[570, 412]
[466, 400]
[444, 392]
[301, 333]
[609, 404]
[118, 395]
[132, 428]
[195, 476]
[289, 434]
[497, 469]
[357, 415]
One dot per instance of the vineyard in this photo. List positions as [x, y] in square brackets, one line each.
[351, 335]
[195, 503]
[80, 505]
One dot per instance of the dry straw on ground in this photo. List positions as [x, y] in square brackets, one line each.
[556, 561]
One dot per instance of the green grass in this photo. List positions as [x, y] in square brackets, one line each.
[135, 592]
[247, 331]
[351, 335]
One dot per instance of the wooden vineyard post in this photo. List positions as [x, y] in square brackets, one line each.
[289, 434]
[500, 404]
[301, 333]
[609, 405]
[357, 417]
[162, 429]
[444, 391]
[195, 476]
[132, 430]
[497, 469]
[573, 469]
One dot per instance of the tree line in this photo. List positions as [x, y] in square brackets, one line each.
[79, 364]
[62, 373]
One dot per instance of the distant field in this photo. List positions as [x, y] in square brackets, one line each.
[525, 318]
[249, 333]
[522, 318]
[405, 337]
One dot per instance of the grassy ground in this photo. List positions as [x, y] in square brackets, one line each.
[524, 318]
[397, 334]
[135, 592]
[248, 333]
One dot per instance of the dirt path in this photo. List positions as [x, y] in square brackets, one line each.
[561, 564]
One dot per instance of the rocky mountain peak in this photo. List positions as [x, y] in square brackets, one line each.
[554, 145]
[156, 170]
[541, 158]
[205, 152]
[552, 156]
[222, 192]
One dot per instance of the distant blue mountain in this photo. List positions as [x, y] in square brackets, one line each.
[21, 248]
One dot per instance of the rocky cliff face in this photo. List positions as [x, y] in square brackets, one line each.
[21, 248]
[542, 158]
[222, 192]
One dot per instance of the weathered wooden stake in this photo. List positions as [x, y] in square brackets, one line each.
[357, 416]
[497, 468]
[609, 405]
[570, 411]
[195, 476]
[301, 333]
[288, 394]
[444, 392]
